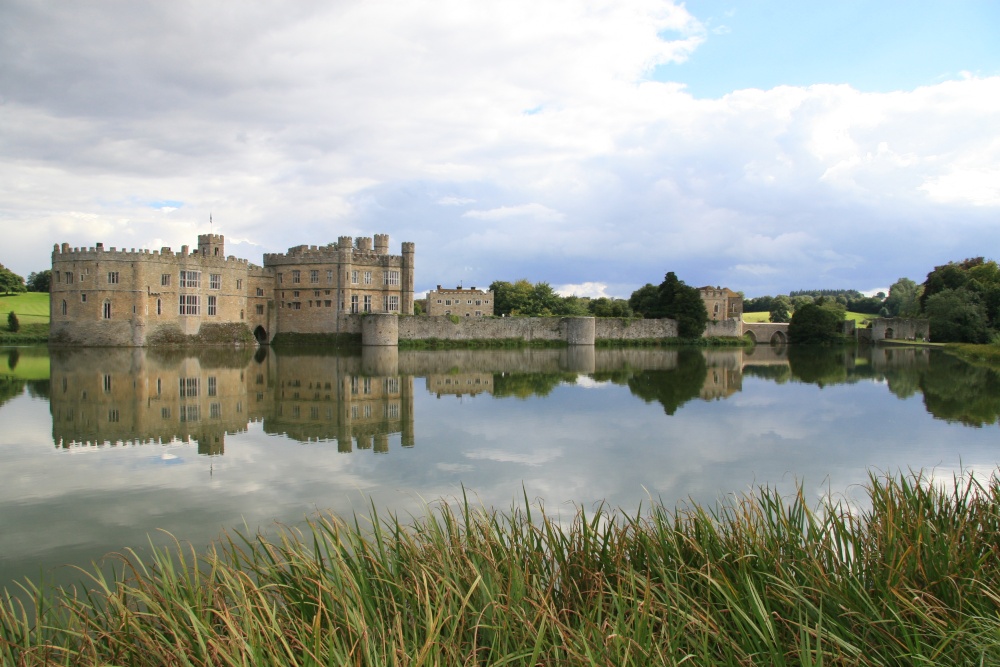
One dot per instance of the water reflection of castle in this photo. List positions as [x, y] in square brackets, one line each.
[124, 397]
[138, 396]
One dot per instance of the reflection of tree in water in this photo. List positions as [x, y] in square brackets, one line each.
[957, 391]
[525, 385]
[672, 388]
[778, 373]
[10, 388]
[817, 365]
[619, 377]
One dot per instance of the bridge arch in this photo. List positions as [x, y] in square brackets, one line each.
[779, 338]
[260, 334]
[751, 335]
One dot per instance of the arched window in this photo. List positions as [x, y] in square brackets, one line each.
[107, 309]
[64, 307]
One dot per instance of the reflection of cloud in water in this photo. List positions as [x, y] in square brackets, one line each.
[505, 456]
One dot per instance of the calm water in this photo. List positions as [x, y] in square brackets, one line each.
[99, 448]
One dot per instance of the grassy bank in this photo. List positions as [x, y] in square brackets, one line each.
[988, 354]
[32, 310]
[761, 580]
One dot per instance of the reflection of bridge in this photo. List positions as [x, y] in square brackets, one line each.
[775, 333]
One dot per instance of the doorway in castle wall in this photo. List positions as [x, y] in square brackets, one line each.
[260, 333]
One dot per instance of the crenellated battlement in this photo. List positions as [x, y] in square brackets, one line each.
[66, 253]
[359, 250]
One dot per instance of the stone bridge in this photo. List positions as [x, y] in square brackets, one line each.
[775, 333]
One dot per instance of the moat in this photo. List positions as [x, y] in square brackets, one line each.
[100, 448]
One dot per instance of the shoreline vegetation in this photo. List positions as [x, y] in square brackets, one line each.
[908, 575]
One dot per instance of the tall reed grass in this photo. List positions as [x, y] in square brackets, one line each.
[762, 579]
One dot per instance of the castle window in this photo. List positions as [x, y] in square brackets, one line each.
[260, 291]
[391, 303]
[329, 277]
[239, 283]
[106, 311]
[211, 305]
[241, 314]
[107, 384]
[64, 307]
[112, 277]
[260, 309]
[190, 279]
[354, 277]
[159, 307]
[368, 303]
[113, 415]
[165, 280]
[296, 276]
[316, 293]
[69, 277]
[295, 294]
[281, 279]
[212, 387]
[296, 305]
[314, 276]
[190, 304]
[328, 303]
[390, 278]
[354, 303]
[188, 387]
[214, 281]
[368, 277]
[479, 302]
[439, 300]
[165, 413]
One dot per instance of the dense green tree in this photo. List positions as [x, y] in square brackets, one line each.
[675, 300]
[814, 323]
[683, 304]
[534, 300]
[645, 301]
[952, 275]
[13, 324]
[781, 309]
[40, 281]
[10, 282]
[956, 315]
[608, 307]
[903, 299]
[759, 304]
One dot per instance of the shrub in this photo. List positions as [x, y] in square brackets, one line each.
[12, 322]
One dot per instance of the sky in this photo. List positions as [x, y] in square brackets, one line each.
[592, 144]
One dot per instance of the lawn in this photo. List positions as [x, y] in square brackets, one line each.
[30, 307]
[860, 318]
[32, 310]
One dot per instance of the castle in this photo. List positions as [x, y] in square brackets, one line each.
[141, 297]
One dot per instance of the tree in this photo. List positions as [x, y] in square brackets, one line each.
[683, 304]
[956, 316]
[13, 324]
[780, 309]
[814, 323]
[645, 301]
[903, 299]
[39, 282]
[10, 282]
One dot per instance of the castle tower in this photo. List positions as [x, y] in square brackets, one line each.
[211, 245]
[381, 244]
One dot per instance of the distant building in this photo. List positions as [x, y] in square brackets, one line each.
[142, 297]
[464, 302]
[722, 303]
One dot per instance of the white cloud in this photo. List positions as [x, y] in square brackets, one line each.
[537, 212]
[593, 290]
[296, 125]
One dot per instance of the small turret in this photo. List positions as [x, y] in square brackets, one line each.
[381, 244]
